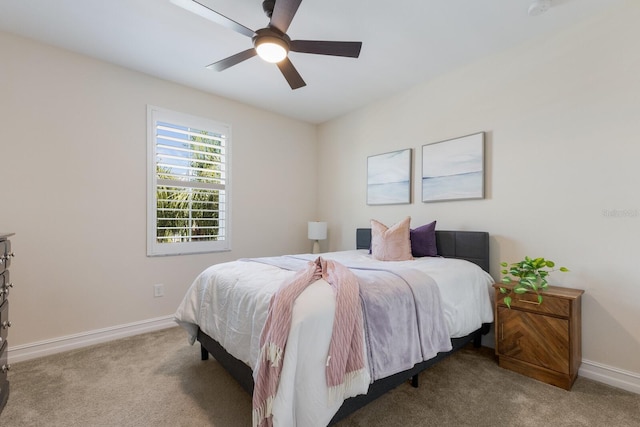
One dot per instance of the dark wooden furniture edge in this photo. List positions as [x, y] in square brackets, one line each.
[5, 261]
[472, 246]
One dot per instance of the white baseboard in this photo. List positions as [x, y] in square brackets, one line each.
[34, 350]
[615, 377]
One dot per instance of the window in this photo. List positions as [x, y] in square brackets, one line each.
[188, 193]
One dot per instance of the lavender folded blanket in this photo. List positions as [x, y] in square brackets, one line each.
[403, 318]
[404, 322]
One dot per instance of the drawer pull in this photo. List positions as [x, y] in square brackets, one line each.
[5, 368]
[529, 302]
[7, 256]
[5, 289]
[6, 324]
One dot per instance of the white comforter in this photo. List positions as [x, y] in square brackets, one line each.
[229, 302]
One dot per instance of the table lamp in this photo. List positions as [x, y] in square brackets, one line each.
[317, 230]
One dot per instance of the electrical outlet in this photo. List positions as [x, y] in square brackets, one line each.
[158, 290]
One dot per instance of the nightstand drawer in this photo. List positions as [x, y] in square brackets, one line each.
[532, 338]
[529, 301]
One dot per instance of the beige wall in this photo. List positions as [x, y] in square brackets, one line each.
[562, 117]
[73, 173]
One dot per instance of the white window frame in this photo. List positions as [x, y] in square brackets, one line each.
[155, 115]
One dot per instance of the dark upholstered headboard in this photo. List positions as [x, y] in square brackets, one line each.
[470, 245]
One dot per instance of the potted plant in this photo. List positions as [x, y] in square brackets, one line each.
[530, 274]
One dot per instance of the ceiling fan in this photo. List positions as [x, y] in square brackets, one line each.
[272, 42]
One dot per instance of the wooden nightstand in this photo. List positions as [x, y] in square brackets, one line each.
[542, 341]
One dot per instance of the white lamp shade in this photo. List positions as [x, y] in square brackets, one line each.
[317, 230]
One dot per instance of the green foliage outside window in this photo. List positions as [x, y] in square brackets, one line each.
[187, 214]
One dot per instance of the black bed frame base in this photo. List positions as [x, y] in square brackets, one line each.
[472, 246]
[244, 375]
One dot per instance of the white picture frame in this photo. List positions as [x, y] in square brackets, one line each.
[453, 169]
[389, 178]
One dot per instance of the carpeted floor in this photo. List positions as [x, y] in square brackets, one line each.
[158, 379]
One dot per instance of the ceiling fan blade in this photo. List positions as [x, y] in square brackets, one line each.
[350, 49]
[223, 64]
[291, 74]
[200, 9]
[283, 13]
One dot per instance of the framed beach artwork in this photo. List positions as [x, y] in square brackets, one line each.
[453, 169]
[389, 178]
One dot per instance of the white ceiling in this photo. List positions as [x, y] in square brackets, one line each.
[405, 42]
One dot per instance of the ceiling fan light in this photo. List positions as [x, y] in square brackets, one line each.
[272, 49]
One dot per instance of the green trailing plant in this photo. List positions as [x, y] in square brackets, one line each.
[530, 274]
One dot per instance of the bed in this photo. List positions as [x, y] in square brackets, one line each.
[470, 246]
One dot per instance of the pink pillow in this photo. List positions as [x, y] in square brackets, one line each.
[391, 243]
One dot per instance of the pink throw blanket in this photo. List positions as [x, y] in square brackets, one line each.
[346, 349]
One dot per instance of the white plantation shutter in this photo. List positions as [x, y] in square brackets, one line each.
[188, 184]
